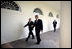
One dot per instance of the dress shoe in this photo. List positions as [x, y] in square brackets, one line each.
[26, 40]
[37, 43]
[33, 38]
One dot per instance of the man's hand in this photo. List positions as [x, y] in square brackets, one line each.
[24, 26]
[42, 31]
[31, 25]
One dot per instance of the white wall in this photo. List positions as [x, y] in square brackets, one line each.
[12, 22]
[65, 36]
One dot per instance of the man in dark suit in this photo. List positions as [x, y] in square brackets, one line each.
[30, 25]
[38, 27]
[54, 25]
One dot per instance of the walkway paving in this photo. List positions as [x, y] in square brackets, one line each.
[49, 40]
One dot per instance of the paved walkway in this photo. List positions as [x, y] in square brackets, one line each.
[49, 40]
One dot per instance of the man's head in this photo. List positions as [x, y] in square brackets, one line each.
[54, 20]
[29, 19]
[36, 17]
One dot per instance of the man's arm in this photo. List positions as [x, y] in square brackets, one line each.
[41, 25]
[26, 25]
[32, 24]
[56, 22]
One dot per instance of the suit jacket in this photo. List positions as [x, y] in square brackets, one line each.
[54, 23]
[29, 25]
[38, 25]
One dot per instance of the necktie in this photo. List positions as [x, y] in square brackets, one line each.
[36, 21]
[29, 22]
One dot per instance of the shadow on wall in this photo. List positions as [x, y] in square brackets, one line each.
[20, 30]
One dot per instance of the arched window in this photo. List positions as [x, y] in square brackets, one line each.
[57, 16]
[50, 14]
[37, 10]
[9, 5]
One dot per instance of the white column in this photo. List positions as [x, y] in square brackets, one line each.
[65, 38]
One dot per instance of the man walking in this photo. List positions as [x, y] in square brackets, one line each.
[30, 25]
[54, 25]
[38, 27]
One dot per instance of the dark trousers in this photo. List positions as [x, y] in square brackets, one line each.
[38, 36]
[30, 33]
[54, 28]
